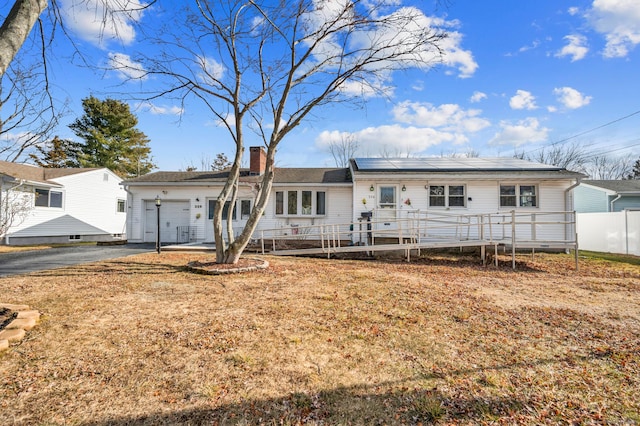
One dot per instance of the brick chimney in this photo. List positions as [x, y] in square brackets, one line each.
[257, 160]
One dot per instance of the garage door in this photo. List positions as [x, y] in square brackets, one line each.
[173, 214]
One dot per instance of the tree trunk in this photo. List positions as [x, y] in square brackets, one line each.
[16, 27]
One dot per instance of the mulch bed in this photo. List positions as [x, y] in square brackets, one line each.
[6, 316]
[213, 268]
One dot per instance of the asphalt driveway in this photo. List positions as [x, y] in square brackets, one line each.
[39, 260]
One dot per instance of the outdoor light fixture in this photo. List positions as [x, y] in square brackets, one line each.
[404, 188]
[371, 188]
[158, 204]
[197, 199]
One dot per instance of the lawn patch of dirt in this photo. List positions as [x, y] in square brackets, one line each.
[213, 268]
[140, 340]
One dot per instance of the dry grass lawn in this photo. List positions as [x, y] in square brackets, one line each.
[139, 340]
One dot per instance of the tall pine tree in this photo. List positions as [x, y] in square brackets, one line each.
[57, 153]
[111, 139]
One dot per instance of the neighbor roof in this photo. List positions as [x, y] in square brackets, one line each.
[448, 164]
[620, 186]
[281, 175]
[35, 173]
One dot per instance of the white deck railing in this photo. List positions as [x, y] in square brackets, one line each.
[428, 228]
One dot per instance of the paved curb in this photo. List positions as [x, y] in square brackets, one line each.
[16, 329]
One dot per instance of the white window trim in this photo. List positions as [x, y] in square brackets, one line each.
[518, 197]
[124, 209]
[387, 206]
[49, 190]
[285, 203]
[237, 209]
[446, 195]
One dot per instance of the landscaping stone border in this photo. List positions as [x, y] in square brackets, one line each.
[15, 331]
[217, 269]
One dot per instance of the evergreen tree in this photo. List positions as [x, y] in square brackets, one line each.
[220, 163]
[635, 171]
[111, 139]
[57, 153]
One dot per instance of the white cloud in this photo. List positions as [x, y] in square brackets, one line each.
[520, 133]
[101, 21]
[376, 140]
[576, 47]
[212, 70]
[619, 22]
[573, 11]
[449, 117]
[523, 100]
[161, 110]
[571, 98]
[477, 97]
[398, 37]
[126, 68]
[533, 46]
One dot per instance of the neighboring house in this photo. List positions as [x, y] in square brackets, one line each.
[63, 205]
[599, 196]
[388, 189]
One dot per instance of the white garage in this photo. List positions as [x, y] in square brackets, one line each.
[174, 220]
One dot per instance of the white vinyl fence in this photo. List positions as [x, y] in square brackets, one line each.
[616, 232]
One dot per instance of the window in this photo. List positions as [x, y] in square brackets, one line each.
[47, 198]
[301, 203]
[292, 202]
[306, 202]
[75, 238]
[320, 203]
[279, 202]
[225, 210]
[387, 197]
[245, 209]
[447, 196]
[518, 196]
[120, 206]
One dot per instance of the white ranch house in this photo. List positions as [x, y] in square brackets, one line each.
[63, 205]
[470, 198]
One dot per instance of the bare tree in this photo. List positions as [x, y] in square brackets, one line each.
[28, 111]
[605, 167]
[15, 204]
[16, 28]
[571, 157]
[344, 149]
[266, 66]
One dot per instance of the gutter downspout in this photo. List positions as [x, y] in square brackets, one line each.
[613, 201]
[566, 208]
[128, 219]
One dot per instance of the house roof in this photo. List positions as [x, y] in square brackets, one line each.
[35, 173]
[448, 164]
[619, 186]
[281, 175]
[63, 225]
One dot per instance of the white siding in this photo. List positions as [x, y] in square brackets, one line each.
[197, 209]
[88, 201]
[338, 207]
[482, 197]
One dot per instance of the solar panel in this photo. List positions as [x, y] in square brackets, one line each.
[448, 163]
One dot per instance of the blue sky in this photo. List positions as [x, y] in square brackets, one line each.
[518, 75]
